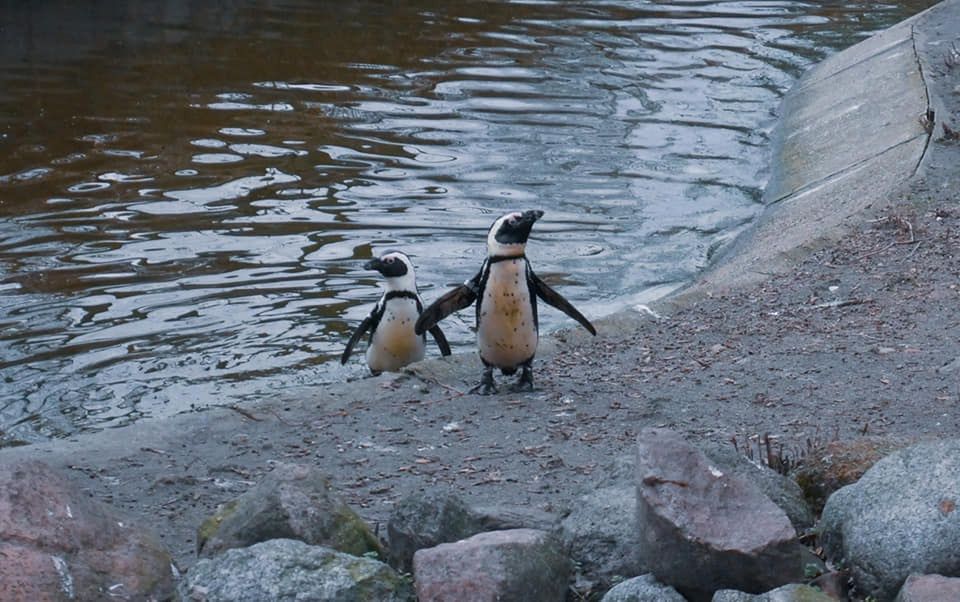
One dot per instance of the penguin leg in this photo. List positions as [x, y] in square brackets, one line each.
[486, 386]
[525, 382]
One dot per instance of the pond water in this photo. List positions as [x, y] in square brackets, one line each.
[188, 190]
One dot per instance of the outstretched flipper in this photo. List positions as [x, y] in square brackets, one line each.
[454, 300]
[369, 322]
[552, 297]
[441, 340]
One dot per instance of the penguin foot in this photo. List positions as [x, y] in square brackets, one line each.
[486, 386]
[525, 383]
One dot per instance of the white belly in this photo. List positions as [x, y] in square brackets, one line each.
[506, 333]
[394, 343]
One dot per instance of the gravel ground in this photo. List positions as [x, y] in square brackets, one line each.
[859, 339]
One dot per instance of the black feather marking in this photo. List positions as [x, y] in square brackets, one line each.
[441, 340]
[369, 323]
[532, 288]
[402, 295]
[478, 284]
[499, 258]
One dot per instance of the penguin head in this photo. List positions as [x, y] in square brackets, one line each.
[397, 268]
[508, 235]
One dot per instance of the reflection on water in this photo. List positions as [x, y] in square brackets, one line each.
[188, 190]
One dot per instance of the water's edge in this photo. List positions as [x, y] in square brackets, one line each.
[167, 283]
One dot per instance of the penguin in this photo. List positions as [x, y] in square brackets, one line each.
[506, 291]
[393, 343]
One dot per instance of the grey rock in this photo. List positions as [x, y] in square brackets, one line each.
[621, 469]
[291, 502]
[427, 519]
[499, 517]
[601, 537]
[515, 564]
[732, 595]
[793, 592]
[282, 570]
[702, 530]
[645, 588]
[57, 543]
[424, 520]
[900, 518]
[929, 588]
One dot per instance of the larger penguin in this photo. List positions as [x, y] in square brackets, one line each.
[393, 343]
[506, 291]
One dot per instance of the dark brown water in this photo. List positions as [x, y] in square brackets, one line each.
[188, 189]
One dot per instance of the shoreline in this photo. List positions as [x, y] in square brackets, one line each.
[831, 315]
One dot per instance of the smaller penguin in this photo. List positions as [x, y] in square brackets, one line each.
[393, 343]
[506, 291]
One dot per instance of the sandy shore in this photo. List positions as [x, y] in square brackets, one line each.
[837, 315]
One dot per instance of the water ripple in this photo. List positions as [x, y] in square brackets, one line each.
[178, 231]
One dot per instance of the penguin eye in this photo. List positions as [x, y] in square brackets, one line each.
[512, 221]
[389, 260]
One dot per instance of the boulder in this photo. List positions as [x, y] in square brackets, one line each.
[929, 588]
[702, 529]
[793, 592]
[601, 537]
[425, 520]
[645, 588]
[782, 491]
[515, 564]
[282, 570]
[600, 532]
[900, 518]
[291, 502]
[57, 543]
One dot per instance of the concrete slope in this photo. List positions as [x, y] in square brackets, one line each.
[853, 131]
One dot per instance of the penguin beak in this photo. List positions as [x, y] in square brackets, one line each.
[373, 264]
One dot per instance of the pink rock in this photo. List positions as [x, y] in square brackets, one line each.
[929, 588]
[57, 543]
[516, 564]
[702, 530]
[29, 574]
